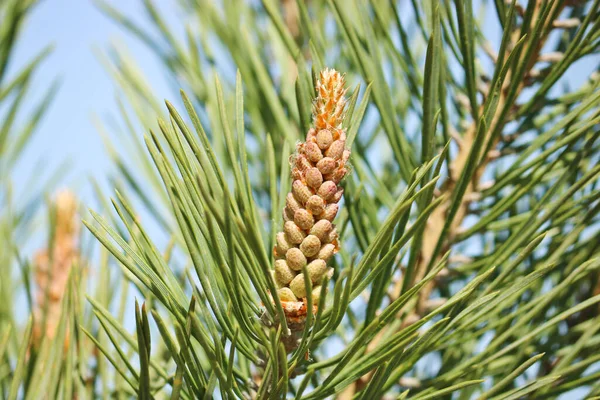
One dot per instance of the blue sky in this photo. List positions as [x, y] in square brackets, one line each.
[79, 32]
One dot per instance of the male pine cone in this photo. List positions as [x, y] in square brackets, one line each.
[52, 268]
[309, 238]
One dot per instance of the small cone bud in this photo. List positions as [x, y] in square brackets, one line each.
[294, 234]
[328, 108]
[297, 286]
[321, 229]
[326, 165]
[329, 273]
[346, 155]
[316, 205]
[286, 294]
[295, 259]
[303, 219]
[326, 252]
[283, 273]
[288, 214]
[330, 211]
[292, 203]
[338, 175]
[313, 152]
[314, 178]
[282, 245]
[336, 150]
[327, 190]
[297, 174]
[302, 163]
[324, 139]
[310, 246]
[316, 270]
[301, 192]
[52, 267]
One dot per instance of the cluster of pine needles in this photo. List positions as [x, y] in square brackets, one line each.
[419, 222]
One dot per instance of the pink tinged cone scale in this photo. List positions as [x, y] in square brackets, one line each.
[308, 239]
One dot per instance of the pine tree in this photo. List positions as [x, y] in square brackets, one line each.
[352, 200]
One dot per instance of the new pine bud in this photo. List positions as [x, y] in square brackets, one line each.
[337, 175]
[321, 229]
[310, 245]
[282, 245]
[297, 286]
[326, 252]
[288, 214]
[345, 156]
[302, 163]
[316, 270]
[294, 234]
[301, 192]
[295, 259]
[314, 178]
[336, 150]
[327, 190]
[286, 294]
[330, 211]
[326, 165]
[324, 139]
[313, 152]
[278, 284]
[315, 204]
[283, 273]
[303, 219]
[292, 203]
